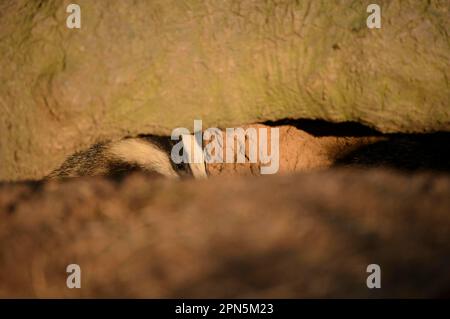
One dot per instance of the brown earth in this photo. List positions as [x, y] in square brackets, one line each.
[314, 145]
[299, 150]
[301, 235]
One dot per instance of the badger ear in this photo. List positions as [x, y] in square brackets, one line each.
[194, 152]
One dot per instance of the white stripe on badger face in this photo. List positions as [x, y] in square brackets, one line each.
[145, 154]
[195, 155]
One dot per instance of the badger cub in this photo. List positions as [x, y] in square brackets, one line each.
[150, 154]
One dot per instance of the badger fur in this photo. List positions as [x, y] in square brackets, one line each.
[150, 154]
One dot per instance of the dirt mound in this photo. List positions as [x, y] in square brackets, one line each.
[305, 235]
[299, 150]
[305, 147]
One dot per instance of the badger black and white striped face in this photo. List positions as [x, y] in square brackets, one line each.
[148, 153]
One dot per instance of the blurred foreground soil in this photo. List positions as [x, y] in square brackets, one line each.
[300, 235]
